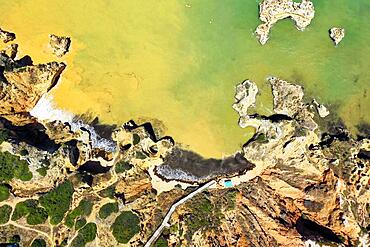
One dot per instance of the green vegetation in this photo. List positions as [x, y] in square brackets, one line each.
[125, 226]
[12, 167]
[261, 138]
[38, 243]
[30, 209]
[204, 215]
[4, 192]
[135, 139]
[37, 216]
[230, 197]
[85, 235]
[5, 212]
[22, 209]
[161, 242]
[122, 166]
[108, 209]
[140, 155]
[4, 135]
[42, 171]
[83, 209]
[108, 192]
[57, 201]
[80, 223]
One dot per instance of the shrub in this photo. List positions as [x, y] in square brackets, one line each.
[42, 171]
[80, 223]
[122, 166]
[161, 242]
[38, 243]
[204, 215]
[125, 227]
[5, 212]
[24, 208]
[108, 209]
[83, 208]
[4, 192]
[57, 201]
[29, 208]
[140, 155]
[135, 139]
[37, 216]
[108, 192]
[85, 235]
[12, 167]
[4, 135]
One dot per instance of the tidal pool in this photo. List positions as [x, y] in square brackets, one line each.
[178, 61]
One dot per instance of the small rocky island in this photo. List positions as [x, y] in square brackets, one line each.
[59, 44]
[336, 34]
[272, 11]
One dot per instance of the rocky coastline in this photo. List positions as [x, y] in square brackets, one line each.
[292, 184]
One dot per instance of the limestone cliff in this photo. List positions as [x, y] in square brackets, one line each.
[22, 85]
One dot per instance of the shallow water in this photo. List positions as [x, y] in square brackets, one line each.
[178, 61]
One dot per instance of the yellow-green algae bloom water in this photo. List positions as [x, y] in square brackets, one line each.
[178, 61]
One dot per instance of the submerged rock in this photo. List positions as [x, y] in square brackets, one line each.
[59, 44]
[272, 11]
[6, 36]
[337, 34]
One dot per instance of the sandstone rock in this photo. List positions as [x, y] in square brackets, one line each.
[6, 36]
[337, 34]
[272, 11]
[245, 97]
[11, 51]
[59, 45]
[321, 109]
[23, 87]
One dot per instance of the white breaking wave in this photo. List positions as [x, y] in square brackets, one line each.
[45, 110]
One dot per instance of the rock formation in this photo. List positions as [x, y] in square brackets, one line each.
[59, 45]
[6, 36]
[337, 34]
[22, 86]
[245, 97]
[307, 187]
[272, 11]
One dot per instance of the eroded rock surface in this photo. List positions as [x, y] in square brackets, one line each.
[22, 86]
[272, 11]
[6, 36]
[337, 34]
[59, 45]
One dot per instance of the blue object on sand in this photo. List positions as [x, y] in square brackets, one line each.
[228, 183]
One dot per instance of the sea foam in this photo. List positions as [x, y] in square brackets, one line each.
[46, 110]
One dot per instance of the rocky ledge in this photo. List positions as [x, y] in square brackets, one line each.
[272, 11]
[336, 34]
